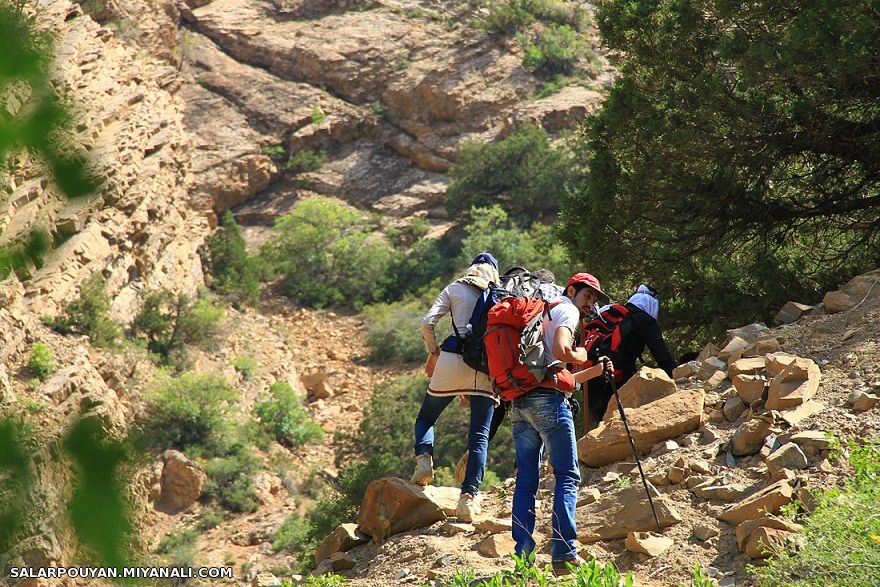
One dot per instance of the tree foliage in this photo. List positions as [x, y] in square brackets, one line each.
[736, 161]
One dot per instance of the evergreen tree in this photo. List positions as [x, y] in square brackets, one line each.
[736, 161]
[235, 272]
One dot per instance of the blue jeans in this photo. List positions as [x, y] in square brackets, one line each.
[542, 418]
[482, 409]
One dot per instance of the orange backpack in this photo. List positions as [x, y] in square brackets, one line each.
[514, 344]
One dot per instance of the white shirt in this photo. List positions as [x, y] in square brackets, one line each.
[565, 315]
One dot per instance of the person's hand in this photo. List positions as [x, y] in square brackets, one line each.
[430, 363]
[607, 364]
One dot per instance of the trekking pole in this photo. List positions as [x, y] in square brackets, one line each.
[609, 377]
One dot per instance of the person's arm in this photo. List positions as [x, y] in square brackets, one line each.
[563, 349]
[654, 339]
[429, 322]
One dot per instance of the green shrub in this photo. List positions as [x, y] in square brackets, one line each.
[328, 254]
[318, 115]
[88, 314]
[393, 331]
[209, 517]
[291, 534]
[230, 478]
[168, 322]
[246, 365]
[306, 161]
[235, 272]
[838, 546]
[179, 545]
[284, 418]
[188, 410]
[490, 229]
[42, 361]
[514, 15]
[522, 173]
[555, 50]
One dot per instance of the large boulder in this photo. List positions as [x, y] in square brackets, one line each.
[750, 388]
[392, 506]
[794, 385]
[182, 482]
[624, 511]
[662, 419]
[642, 388]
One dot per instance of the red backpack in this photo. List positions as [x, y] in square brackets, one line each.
[602, 336]
[514, 344]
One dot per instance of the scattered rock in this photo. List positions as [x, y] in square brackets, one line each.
[647, 543]
[392, 505]
[765, 542]
[766, 501]
[862, 402]
[788, 456]
[676, 475]
[734, 408]
[494, 525]
[734, 348]
[496, 546]
[588, 495]
[665, 418]
[749, 332]
[687, 370]
[341, 561]
[711, 366]
[623, 511]
[750, 387]
[812, 442]
[704, 533]
[857, 289]
[794, 385]
[266, 580]
[805, 410]
[342, 539]
[749, 436]
[750, 366]
[455, 528]
[743, 530]
[729, 492]
[715, 382]
[316, 385]
[792, 312]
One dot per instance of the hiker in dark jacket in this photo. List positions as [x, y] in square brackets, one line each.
[643, 309]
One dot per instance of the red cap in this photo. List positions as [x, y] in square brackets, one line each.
[590, 280]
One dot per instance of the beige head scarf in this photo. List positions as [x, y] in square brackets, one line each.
[480, 275]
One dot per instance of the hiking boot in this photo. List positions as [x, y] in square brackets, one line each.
[424, 472]
[461, 468]
[468, 507]
[560, 568]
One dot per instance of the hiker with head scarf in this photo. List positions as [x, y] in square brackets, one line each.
[451, 377]
[643, 306]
